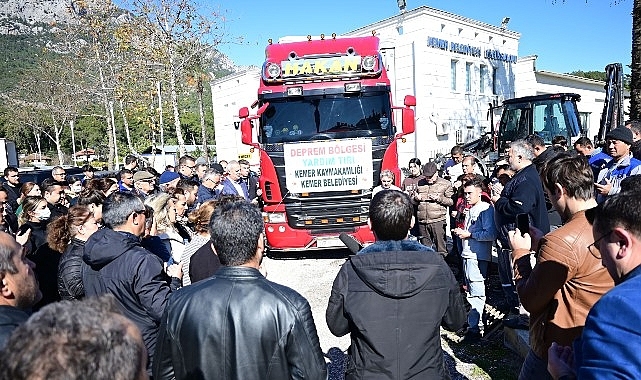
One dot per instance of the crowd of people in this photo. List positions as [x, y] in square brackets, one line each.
[158, 275]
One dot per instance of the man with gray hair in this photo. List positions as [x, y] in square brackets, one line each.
[209, 186]
[233, 184]
[117, 264]
[523, 194]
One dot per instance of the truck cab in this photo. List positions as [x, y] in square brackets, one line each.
[544, 115]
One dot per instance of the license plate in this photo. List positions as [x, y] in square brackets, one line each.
[329, 242]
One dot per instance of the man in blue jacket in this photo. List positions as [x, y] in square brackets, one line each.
[392, 298]
[610, 343]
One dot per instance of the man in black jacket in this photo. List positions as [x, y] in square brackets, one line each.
[393, 297]
[523, 194]
[237, 324]
[117, 264]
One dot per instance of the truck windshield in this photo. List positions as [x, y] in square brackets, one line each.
[326, 117]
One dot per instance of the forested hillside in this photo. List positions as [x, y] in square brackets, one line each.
[105, 78]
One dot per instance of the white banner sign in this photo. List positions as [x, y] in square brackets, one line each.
[328, 166]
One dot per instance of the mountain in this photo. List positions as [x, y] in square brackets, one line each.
[20, 17]
[36, 18]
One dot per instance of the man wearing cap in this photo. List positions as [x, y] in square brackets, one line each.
[168, 180]
[434, 196]
[622, 165]
[144, 183]
[209, 188]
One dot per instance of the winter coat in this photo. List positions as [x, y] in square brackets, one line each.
[393, 297]
[70, 285]
[522, 194]
[430, 211]
[117, 264]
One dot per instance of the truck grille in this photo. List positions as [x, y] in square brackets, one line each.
[334, 212]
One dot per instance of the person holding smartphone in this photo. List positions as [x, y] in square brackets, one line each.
[567, 279]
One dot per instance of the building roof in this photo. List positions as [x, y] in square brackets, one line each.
[424, 9]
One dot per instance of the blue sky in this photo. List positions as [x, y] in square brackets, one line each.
[566, 35]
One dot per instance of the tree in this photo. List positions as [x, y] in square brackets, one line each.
[181, 34]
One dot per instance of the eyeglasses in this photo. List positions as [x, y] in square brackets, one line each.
[190, 167]
[59, 173]
[14, 176]
[145, 212]
[594, 247]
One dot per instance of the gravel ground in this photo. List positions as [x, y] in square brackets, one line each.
[313, 278]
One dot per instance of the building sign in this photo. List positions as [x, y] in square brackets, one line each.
[474, 51]
[497, 55]
[321, 66]
[328, 166]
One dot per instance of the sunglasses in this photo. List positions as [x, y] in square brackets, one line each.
[146, 213]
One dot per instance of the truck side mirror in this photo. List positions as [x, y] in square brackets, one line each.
[410, 101]
[408, 115]
[246, 132]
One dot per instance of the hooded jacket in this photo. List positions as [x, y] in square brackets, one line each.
[117, 264]
[392, 298]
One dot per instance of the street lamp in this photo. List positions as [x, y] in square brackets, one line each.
[504, 22]
[401, 5]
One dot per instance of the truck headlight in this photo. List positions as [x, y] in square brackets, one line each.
[273, 70]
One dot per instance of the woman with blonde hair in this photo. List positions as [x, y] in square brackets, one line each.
[164, 219]
[67, 235]
[199, 218]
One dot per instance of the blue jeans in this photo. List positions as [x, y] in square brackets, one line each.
[475, 275]
[534, 368]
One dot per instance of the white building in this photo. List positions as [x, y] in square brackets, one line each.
[455, 66]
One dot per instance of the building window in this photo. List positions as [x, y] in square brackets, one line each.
[468, 77]
[454, 65]
[495, 90]
[483, 79]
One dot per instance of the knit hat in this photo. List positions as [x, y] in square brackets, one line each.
[622, 134]
[429, 169]
[168, 176]
[143, 175]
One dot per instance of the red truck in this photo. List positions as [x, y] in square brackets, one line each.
[325, 129]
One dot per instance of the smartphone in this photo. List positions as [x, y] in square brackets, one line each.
[523, 223]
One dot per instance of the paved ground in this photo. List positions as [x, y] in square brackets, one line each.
[313, 278]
